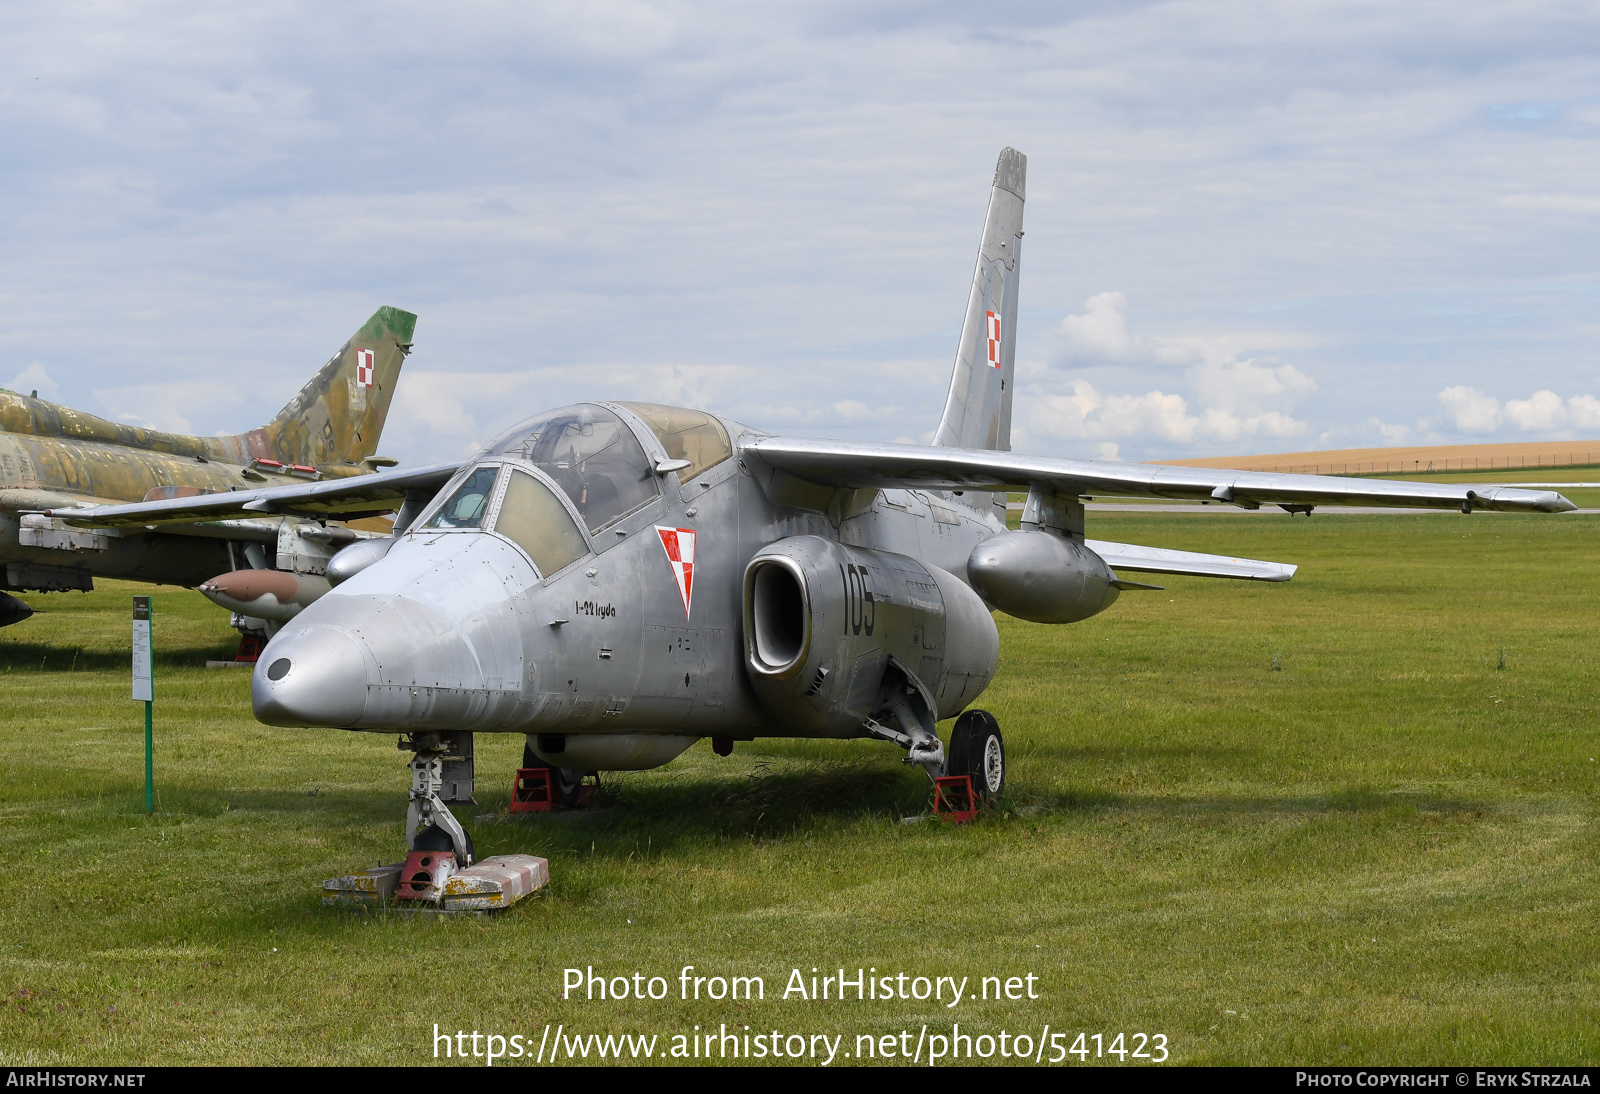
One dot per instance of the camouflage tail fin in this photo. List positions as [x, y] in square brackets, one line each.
[977, 412]
[337, 418]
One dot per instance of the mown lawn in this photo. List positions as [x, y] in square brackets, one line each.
[1309, 823]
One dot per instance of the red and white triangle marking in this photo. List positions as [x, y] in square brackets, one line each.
[679, 545]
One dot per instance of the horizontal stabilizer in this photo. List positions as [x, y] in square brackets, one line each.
[1160, 560]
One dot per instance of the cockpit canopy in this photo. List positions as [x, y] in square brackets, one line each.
[691, 435]
[590, 453]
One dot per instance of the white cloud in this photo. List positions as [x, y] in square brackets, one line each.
[1223, 424]
[1101, 331]
[1248, 386]
[1240, 399]
[1470, 409]
[187, 407]
[1100, 335]
[1584, 412]
[1391, 434]
[437, 401]
[1154, 416]
[1540, 412]
[34, 377]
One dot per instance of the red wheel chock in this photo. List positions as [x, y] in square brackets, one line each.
[531, 791]
[250, 647]
[954, 799]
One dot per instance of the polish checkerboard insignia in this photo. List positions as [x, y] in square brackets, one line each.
[364, 367]
[992, 321]
[679, 545]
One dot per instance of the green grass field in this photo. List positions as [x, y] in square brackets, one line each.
[1350, 819]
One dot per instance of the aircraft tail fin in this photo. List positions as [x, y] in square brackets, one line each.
[977, 412]
[336, 419]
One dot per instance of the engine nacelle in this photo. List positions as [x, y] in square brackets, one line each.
[824, 622]
[1041, 577]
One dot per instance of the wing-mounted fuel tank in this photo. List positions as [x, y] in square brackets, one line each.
[824, 622]
[1041, 576]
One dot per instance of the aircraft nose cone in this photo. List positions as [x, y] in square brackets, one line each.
[316, 677]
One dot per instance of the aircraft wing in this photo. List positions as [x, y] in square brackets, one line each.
[849, 464]
[1160, 560]
[350, 497]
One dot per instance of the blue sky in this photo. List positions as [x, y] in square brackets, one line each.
[1251, 227]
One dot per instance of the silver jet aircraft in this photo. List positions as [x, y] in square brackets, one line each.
[616, 580]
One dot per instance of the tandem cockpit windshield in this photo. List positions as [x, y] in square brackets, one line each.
[593, 457]
[591, 454]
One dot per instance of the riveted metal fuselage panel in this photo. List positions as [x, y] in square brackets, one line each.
[614, 642]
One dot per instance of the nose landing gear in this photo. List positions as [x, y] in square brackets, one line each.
[441, 873]
[429, 822]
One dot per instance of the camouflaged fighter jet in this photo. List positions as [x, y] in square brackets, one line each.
[59, 459]
[616, 580]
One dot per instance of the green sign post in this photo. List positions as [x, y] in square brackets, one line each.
[144, 688]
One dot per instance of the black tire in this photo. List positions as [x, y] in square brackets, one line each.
[434, 838]
[565, 784]
[978, 750]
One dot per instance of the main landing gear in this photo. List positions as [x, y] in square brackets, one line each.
[442, 872]
[973, 770]
[977, 750]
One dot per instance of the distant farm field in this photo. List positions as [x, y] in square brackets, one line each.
[1346, 820]
[1519, 457]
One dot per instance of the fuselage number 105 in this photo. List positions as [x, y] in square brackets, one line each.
[863, 610]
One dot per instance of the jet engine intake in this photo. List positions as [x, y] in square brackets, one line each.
[1041, 577]
[823, 621]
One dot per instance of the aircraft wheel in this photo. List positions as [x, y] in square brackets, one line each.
[978, 750]
[565, 784]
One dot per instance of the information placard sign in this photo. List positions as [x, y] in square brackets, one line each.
[143, 670]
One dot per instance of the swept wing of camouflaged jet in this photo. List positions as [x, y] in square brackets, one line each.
[618, 579]
[56, 458]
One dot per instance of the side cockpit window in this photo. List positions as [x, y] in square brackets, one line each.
[467, 506]
[691, 435]
[592, 455]
[534, 519]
